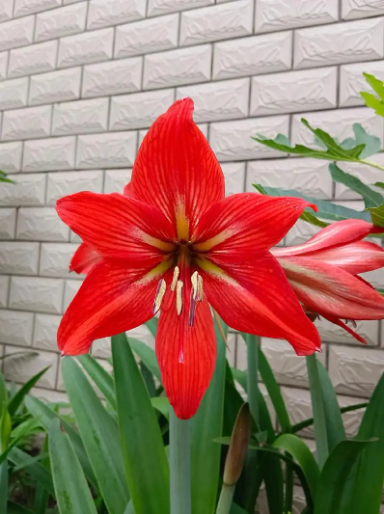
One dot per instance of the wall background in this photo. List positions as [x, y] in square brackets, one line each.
[81, 81]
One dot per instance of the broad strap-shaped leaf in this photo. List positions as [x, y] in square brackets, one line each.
[35, 469]
[100, 376]
[146, 355]
[15, 508]
[309, 421]
[4, 488]
[152, 326]
[206, 425]
[72, 492]
[335, 479]
[377, 214]
[371, 198]
[100, 436]
[146, 466]
[17, 399]
[368, 484]
[44, 414]
[302, 454]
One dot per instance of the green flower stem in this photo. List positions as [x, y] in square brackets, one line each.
[252, 372]
[180, 464]
[225, 500]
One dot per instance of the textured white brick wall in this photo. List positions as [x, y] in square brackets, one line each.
[82, 80]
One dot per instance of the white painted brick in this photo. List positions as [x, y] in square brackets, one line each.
[113, 12]
[287, 367]
[299, 406]
[23, 367]
[56, 86]
[139, 110]
[375, 278]
[55, 259]
[147, 36]
[231, 141]
[36, 294]
[365, 173]
[3, 65]
[294, 91]
[74, 238]
[41, 224]
[253, 55]
[352, 81]
[85, 48]
[33, 59]
[23, 7]
[10, 157]
[185, 66]
[218, 100]
[272, 15]
[225, 21]
[330, 332]
[116, 180]
[49, 154]
[352, 9]
[19, 258]
[6, 10]
[68, 183]
[82, 117]
[355, 371]
[166, 6]
[71, 288]
[112, 78]
[16, 33]
[13, 93]
[16, 327]
[47, 395]
[4, 288]
[234, 173]
[337, 123]
[309, 176]
[117, 150]
[61, 22]
[7, 223]
[360, 40]
[300, 233]
[45, 332]
[33, 122]
[102, 348]
[67, 2]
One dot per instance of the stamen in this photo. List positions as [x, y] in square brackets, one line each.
[192, 310]
[160, 292]
[176, 274]
[200, 288]
[195, 286]
[179, 297]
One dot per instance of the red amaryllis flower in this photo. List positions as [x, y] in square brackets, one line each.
[175, 244]
[323, 273]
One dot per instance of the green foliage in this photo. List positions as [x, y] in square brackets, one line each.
[375, 102]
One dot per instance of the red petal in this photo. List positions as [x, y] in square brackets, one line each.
[256, 298]
[176, 170]
[335, 235]
[111, 300]
[84, 259]
[331, 291]
[339, 323]
[355, 258]
[186, 355]
[247, 222]
[118, 227]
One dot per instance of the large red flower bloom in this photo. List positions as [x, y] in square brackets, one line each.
[173, 243]
[323, 273]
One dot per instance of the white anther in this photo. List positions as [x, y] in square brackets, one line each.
[176, 274]
[179, 297]
[161, 288]
[200, 288]
[195, 285]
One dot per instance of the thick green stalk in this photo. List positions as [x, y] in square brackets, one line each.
[225, 500]
[180, 464]
[252, 373]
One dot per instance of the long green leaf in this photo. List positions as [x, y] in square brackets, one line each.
[371, 198]
[377, 214]
[333, 419]
[146, 465]
[152, 326]
[100, 376]
[45, 415]
[368, 484]
[147, 355]
[100, 436]
[309, 421]
[274, 483]
[206, 425]
[14, 508]
[17, 399]
[300, 451]
[3, 487]
[35, 469]
[335, 478]
[72, 492]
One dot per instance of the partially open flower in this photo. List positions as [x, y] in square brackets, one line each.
[324, 273]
